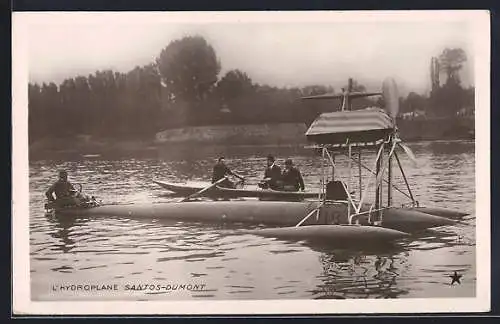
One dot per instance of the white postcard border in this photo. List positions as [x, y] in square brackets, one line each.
[22, 304]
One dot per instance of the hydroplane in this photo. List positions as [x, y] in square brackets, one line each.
[333, 214]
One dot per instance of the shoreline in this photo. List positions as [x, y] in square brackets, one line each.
[263, 135]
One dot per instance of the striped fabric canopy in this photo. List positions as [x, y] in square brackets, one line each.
[358, 126]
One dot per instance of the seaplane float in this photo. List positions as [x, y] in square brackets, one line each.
[332, 214]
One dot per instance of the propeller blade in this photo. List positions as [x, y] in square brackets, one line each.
[391, 97]
[410, 153]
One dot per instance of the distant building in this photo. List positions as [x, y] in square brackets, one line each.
[414, 114]
[466, 112]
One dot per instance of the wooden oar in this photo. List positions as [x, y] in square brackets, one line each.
[203, 190]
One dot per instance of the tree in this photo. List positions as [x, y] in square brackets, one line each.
[145, 89]
[189, 68]
[226, 102]
[312, 108]
[450, 98]
[413, 102]
[54, 116]
[37, 123]
[104, 107]
[355, 86]
[315, 90]
[469, 97]
[450, 62]
[234, 84]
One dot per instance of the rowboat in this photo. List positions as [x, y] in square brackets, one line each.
[333, 214]
[221, 192]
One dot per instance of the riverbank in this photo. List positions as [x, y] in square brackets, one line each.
[287, 133]
[250, 134]
[442, 128]
[284, 134]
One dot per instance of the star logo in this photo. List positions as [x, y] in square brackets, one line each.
[455, 278]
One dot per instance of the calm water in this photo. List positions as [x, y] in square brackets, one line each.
[212, 264]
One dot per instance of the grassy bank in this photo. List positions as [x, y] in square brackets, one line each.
[284, 134]
[262, 134]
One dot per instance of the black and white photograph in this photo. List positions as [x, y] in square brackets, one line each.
[251, 162]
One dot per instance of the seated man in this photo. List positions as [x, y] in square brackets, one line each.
[220, 171]
[272, 175]
[292, 179]
[65, 193]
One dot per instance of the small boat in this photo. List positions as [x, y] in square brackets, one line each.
[221, 192]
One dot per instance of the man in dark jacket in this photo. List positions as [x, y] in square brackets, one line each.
[64, 191]
[221, 170]
[272, 175]
[292, 179]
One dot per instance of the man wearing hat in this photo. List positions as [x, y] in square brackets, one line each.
[272, 175]
[292, 179]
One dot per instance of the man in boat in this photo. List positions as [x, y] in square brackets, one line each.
[65, 193]
[292, 179]
[272, 175]
[220, 171]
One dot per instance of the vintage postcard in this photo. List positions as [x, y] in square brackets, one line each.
[251, 162]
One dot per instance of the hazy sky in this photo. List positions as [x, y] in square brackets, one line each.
[286, 52]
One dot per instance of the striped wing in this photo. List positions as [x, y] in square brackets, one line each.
[358, 126]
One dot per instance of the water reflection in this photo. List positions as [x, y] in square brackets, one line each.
[248, 153]
[64, 231]
[445, 148]
[449, 159]
[370, 273]
[448, 237]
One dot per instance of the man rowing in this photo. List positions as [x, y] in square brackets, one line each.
[220, 171]
[272, 175]
[291, 177]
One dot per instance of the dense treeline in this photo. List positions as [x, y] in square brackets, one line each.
[446, 98]
[184, 87]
